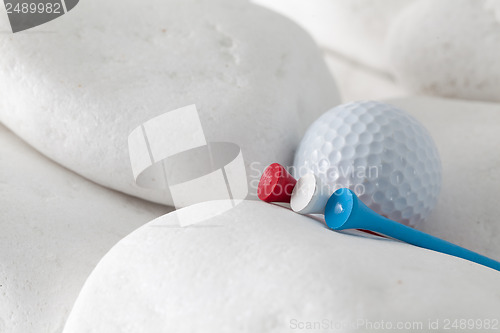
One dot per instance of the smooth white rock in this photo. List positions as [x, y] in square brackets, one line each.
[448, 48]
[357, 82]
[55, 227]
[466, 135]
[356, 29]
[259, 266]
[74, 88]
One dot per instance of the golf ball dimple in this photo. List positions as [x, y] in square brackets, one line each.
[378, 151]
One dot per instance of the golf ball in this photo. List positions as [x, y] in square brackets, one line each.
[378, 151]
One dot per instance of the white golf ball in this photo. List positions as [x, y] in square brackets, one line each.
[378, 151]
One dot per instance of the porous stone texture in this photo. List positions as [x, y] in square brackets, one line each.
[466, 135]
[448, 48]
[262, 268]
[74, 88]
[55, 227]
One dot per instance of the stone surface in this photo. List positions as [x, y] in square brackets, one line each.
[74, 88]
[357, 82]
[262, 268]
[466, 135]
[55, 227]
[448, 48]
[356, 29]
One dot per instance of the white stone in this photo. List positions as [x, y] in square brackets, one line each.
[259, 267]
[358, 83]
[356, 29]
[75, 88]
[55, 227]
[448, 48]
[466, 135]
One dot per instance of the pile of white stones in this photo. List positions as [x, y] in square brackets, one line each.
[74, 88]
